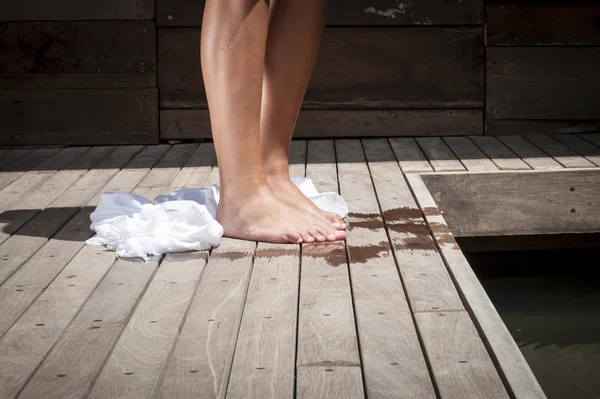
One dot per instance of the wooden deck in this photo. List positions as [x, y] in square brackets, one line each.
[394, 311]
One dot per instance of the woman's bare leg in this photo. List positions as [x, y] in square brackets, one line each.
[232, 53]
[295, 28]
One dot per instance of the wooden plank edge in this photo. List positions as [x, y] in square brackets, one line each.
[512, 367]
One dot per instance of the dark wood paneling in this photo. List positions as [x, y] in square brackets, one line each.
[74, 47]
[543, 83]
[543, 22]
[77, 80]
[357, 68]
[504, 127]
[195, 123]
[351, 12]
[69, 10]
[49, 117]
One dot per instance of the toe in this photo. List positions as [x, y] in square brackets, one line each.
[294, 237]
[306, 237]
[317, 235]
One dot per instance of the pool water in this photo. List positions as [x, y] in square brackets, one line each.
[553, 316]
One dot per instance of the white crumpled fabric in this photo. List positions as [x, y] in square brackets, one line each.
[184, 220]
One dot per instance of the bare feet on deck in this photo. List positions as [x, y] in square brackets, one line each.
[261, 216]
[289, 193]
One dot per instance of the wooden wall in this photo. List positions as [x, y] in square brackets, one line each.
[127, 71]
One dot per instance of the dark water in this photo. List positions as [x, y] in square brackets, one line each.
[550, 302]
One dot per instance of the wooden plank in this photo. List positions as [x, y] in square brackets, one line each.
[549, 23]
[427, 81]
[329, 382]
[513, 368]
[86, 116]
[592, 138]
[33, 161]
[428, 285]
[327, 337]
[195, 123]
[41, 269]
[50, 310]
[409, 155]
[33, 178]
[78, 47]
[64, 80]
[196, 170]
[580, 146]
[165, 171]
[459, 360]
[529, 153]
[78, 356]
[16, 249]
[469, 155]
[542, 82]
[559, 152]
[439, 155]
[392, 360]
[500, 127]
[353, 12]
[264, 359]
[297, 158]
[501, 155]
[35, 10]
[202, 356]
[28, 342]
[135, 364]
[523, 202]
[10, 156]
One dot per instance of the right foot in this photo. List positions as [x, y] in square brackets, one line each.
[262, 216]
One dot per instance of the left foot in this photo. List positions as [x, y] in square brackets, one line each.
[288, 192]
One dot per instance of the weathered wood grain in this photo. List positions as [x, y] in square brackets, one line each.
[79, 354]
[312, 123]
[28, 342]
[165, 171]
[36, 10]
[499, 127]
[16, 249]
[40, 270]
[391, 355]
[65, 80]
[196, 169]
[559, 152]
[353, 12]
[32, 162]
[137, 361]
[264, 359]
[542, 23]
[501, 155]
[80, 117]
[8, 157]
[329, 382]
[77, 47]
[523, 202]
[581, 146]
[469, 155]
[327, 337]
[202, 357]
[409, 155]
[459, 360]
[441, 158]
[542, 82]
[530, 154]
[428, 285]
[513, 367]
[441, 68]
[33, 178]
